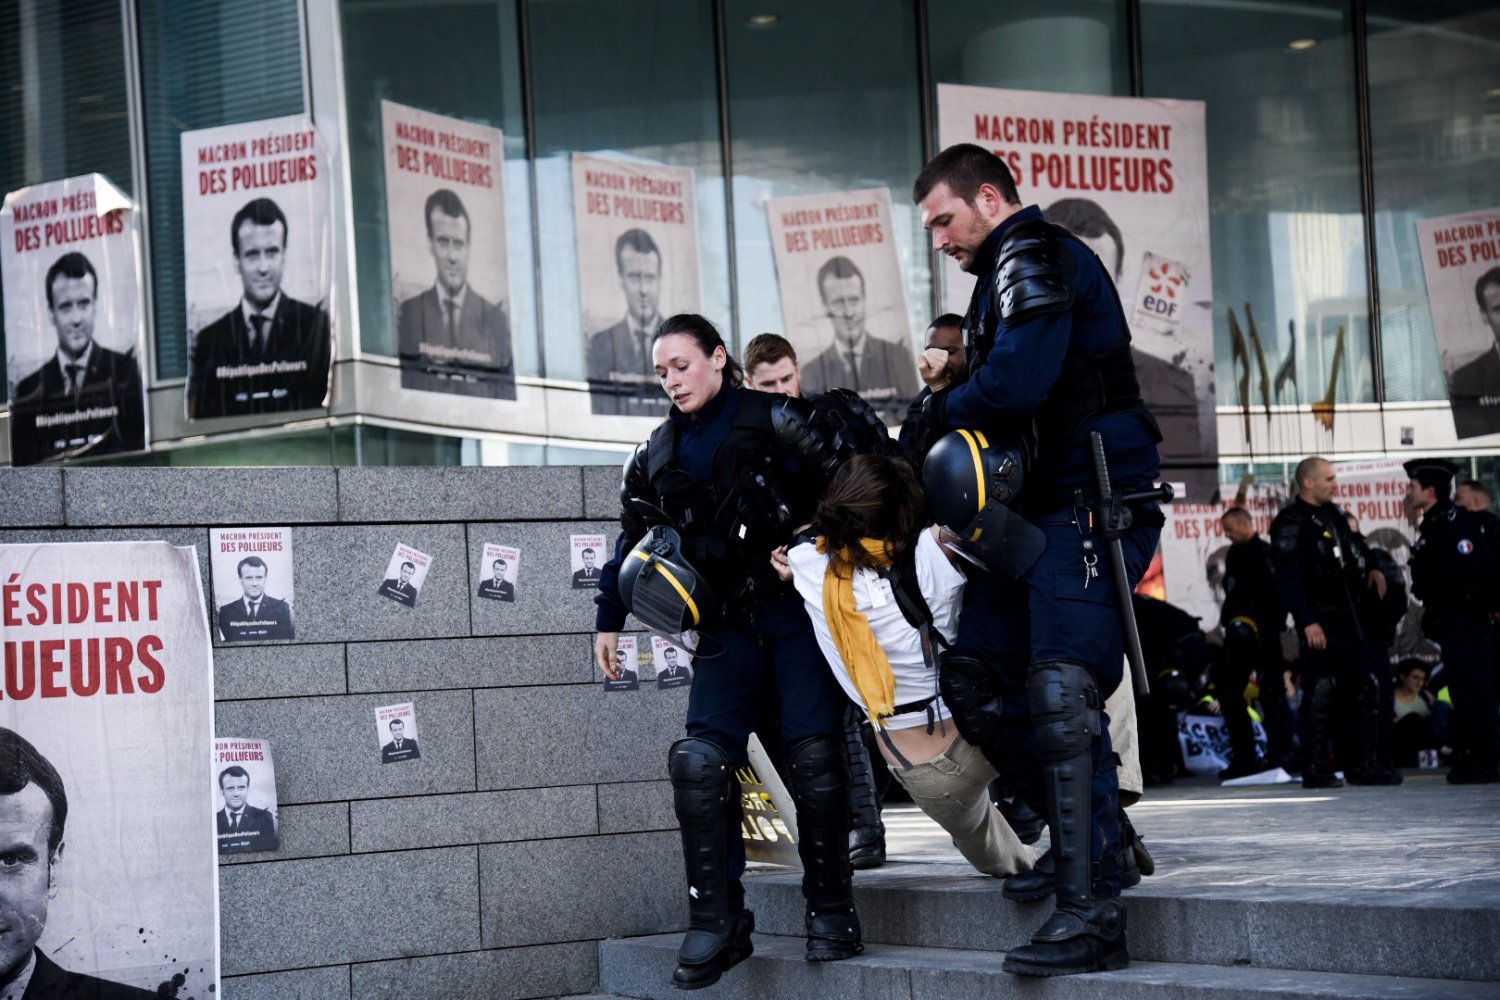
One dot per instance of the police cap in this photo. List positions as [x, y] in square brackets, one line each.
[1432, 470]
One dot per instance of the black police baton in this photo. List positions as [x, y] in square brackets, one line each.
[1116, 517]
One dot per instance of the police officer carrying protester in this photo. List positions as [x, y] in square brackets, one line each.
[720, 484]
[1323, 572]
[1457, 577]
[1252, 618]
[1046, 345]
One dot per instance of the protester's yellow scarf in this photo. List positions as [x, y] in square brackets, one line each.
[866, 661]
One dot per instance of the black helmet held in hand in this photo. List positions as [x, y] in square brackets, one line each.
[971, 478]
[661, 588]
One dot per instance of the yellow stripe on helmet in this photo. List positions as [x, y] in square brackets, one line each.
[974, 446]
[687, 598]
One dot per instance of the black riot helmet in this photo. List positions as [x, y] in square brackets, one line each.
[659, 585]
[971, 478]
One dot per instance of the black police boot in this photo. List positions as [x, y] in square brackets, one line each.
[867, 832]
[1041, 881]
[1027, 823]
[1083, 934]
[818, 774]
[1145, 864]
[972, 693]
[706, 795]
[1370, 770]
[1317, 708]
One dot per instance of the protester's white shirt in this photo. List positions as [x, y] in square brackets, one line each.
[940, 583]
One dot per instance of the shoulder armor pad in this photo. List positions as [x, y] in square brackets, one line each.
[1034, 274]
[794, 423]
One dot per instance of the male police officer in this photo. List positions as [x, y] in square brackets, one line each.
[1456, 575]
[1046, 343]
[1322, 570]
[1252, 618]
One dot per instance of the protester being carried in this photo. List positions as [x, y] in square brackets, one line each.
[869, 521]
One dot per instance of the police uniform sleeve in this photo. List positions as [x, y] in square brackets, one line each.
[796, 429]
[609, 607]
[1285, 531]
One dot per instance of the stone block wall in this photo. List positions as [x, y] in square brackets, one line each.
[538, 819]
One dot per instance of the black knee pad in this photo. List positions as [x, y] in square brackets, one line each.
[701, 777]
[972, 693]
[1065, 708]
[818, 773]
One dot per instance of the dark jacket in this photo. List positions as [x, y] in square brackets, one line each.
[49, 982]
[111, 385]
[474, 361]
[227, 378]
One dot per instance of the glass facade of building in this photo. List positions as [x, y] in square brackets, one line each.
[1333, 128]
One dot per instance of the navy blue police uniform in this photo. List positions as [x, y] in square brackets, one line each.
[1321, 572]
[1049, 350]
[1457, 577]
[735, 479]
[1252, 618]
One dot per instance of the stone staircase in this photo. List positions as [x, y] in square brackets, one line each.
[1266, 892]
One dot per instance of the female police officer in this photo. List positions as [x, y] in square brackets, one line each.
[723, 481]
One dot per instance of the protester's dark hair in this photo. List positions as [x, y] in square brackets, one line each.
[1435, 480]
[706, 336]
[1406, 666]
[767, 349]
[947, 319]
[233, 771]
[70, 265]
[255, 561]
[634, 239]
[1236, 514]
[261, 212]
[964, 168]
[449, 204]
[21, 764]
[1490, 277]
[871, 496]
[411, 564]
[839, 267]
[1087, 219]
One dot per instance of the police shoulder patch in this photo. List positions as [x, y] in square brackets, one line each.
[1465, 546]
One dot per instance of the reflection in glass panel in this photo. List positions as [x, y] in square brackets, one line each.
[824, 98]
[1284, 187]
[1435, 136]
[460, 59]
[639, 84]
[62, 99]
[204, 64]
[1064, 46]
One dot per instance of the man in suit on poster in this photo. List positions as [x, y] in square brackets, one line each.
[1475, 388]
[399, 748]
[86, 399]
[270, 353]
[242, 827]
[622, 378]
[33, 814]
[451, 338]
[256, 615]
[497, 588]
[401, 590]
[883, 372]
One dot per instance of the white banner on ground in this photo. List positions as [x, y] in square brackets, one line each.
[108, 707]
[1461, 258]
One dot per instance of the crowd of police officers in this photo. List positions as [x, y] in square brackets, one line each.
[1048, 398]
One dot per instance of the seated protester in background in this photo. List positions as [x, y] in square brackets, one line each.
[869, 521]
[771, 366]
[1412, 713]
[1177, 659]
[1252, 618]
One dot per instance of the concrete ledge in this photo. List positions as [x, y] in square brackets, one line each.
[356, 909]
[615, 886]
[545, 599]
[278, 671]
[319, 830]
[226, 497]
[326, 748]
[505, 493]
[31, 497]
[601, 492]
[485, 817]
[574, 735]
[504, 661]
[328, 983]
[503, 974]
